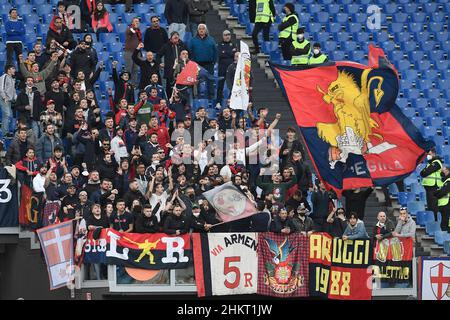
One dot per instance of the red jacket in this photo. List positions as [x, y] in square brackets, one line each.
[102, 23]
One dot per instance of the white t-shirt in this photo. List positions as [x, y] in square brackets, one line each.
[154, 199]
[39, 183]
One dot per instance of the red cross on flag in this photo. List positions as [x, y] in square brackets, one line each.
[57, 245]
[440, 280]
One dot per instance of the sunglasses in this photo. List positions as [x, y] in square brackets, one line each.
[403, 208]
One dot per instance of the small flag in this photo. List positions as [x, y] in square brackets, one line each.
[239, 93]
[57, 245]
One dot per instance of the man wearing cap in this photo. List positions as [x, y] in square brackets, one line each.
[51, 116]
[118, 146]
[302, 222]
[198, 223]
[317, 57]
[288, 30]
[443, 196]
[170, 52]
[226, 50]
[264, 17]
[300, 49]
[431, 180]
[82, 59]
[123, 88]
[69, 203]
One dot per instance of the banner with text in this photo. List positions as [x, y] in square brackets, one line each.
[225, 263]
[392, 260]
[339, 269]
[145, 251]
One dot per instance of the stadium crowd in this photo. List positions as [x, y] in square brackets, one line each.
[136, 168]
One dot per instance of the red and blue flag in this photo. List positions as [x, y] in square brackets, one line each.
[355, 134]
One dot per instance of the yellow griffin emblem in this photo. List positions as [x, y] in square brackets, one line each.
[354, 126]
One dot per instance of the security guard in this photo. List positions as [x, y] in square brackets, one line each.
[443, 194]
[317, 57]
[265, 15]
[300, 49]
[432, 180]
[288, 30]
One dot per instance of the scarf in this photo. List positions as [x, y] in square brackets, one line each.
[138, 33]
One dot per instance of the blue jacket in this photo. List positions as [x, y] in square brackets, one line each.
[203, 50]
[358, 232]
[15, 31]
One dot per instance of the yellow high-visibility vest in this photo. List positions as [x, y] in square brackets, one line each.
[433, 179]
[301, 59]
[289, 32]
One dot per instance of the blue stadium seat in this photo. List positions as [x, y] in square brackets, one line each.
[446, 246]
[430, 7]
[434, 121]
[443, 84]
[353, 9]
[402, 103]
[314, 27]
[439, 237]
[361, 37]
[359, 17]
[354, 27]
[435, 27]
[314, 8]
[334, 27]
[330, 45]
[430, 74]
[159, 9]
[419, 17]
[438, 17]
[432, 94]
[442, 36]
[408, 45]
[304, 18]
[390, 8]
[322, 17]
[119, 8]
[350, 46]
[322, 37]
[422, 36]
[341, 18]
[333, 8]
[108, 38]
[337, 55]
[418, 121]
[141, 8]
[405, 197]
[357, 55]
[44, 9]
[396, 27]
[424, 84]
[115, 47]
[423, 217]
[429, 132]
[400, 17]
[381, 36]
[410, 74]
[342, 36]
[415, 206]
[403, 65]
[395, 55]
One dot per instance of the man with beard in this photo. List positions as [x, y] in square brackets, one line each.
[82, 59]
[108, 167]
[147, 66]
[123, 88]
[60, 33]
[69, 204]
[60, 98]
[133, 194]
[93, 183]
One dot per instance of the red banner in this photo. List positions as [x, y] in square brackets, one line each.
[188, 76]
[283, 265]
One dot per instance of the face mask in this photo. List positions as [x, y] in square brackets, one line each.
[429, 157]
[300, 37]
[196, 214]
[316, 51]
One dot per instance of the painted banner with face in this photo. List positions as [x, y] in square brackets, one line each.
[230, 203]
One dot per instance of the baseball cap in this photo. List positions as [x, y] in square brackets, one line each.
[50, 102]
[226, 32]
[195, 206]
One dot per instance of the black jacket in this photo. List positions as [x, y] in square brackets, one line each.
[277, 225]
[122, 89]
[170, 52]
[65, 35]
[444, 190]
[14, 153]
[385, 231]
[431, 168]
[176, 11]
[336, 228]
[289, 22]
[174, 223]
[145, 224]
[356, 202]
[155, 39]
[82, 60]
[226, 51]
[22, 101]
[147, 69]
[61, 99]
[197, 10]
[130, 196]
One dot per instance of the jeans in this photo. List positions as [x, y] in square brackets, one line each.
[178, 27]
[193, 28]
[131, 67]
[206, 74]
[265, 27]
[10, 49]
[35, 126]
[6, 115]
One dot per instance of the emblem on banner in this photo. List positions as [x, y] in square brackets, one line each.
[440, 280]
[282, 275]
